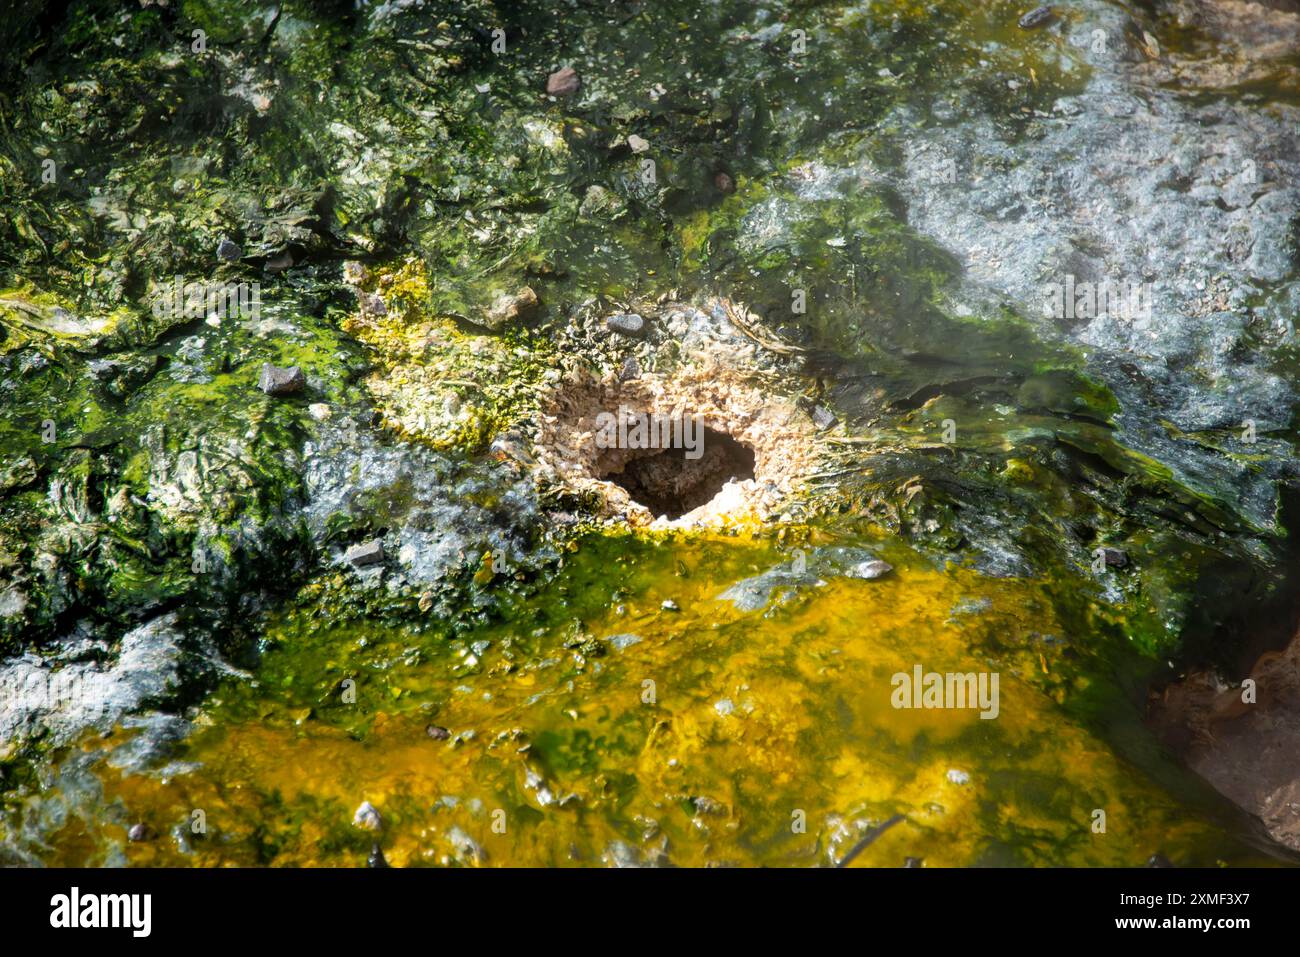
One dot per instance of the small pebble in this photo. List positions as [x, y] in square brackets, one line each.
[1037, 17]
[138, 832]
[368, 817]
[669, 605]
[437, 732]
[228, 251]
[870, 569]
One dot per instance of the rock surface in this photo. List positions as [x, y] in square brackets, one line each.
[279, 382]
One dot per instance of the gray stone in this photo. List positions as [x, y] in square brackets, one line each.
[278, 381]
[620, 642]
[625, 323]
[34, 699]
[228, 251]
[1037, 17]
[367, 553]
[869, 569]
[823, 417]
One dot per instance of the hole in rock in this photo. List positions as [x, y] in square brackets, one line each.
[670, 484]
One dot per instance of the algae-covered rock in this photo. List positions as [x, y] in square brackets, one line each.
[839, 233]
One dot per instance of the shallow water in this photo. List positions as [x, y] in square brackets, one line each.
[599, 727]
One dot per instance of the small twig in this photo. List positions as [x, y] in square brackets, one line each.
[867, 840]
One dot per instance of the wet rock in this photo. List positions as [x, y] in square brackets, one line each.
[437, 732]
[443, 517]
[372, 304]
[869, 569]
[145, 668]
[784, 582]
[368, 817]
[1218, 223]
[724, 183]
[823, 417]
[625, 323]
[367, 553]
[138, 833]
[376, 858]
[279, 381]
[1037, 17]
[598, 201]
[122, 376]
[563, 82]
[1114, 557]
[509, 308]
[637, 144]
[631, 369]
[355, 273]
[624, 641]
[280, 262]
[465, 846]
[228, 251]
[670, 605]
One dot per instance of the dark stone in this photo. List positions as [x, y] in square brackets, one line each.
[280, 263]
[228, 251]
[138, 833]
[1114, 557]
[437, 732]
[724, 183]
[278, 381]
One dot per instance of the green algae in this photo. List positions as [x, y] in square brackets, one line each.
[490, 191]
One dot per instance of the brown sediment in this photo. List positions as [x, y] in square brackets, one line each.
[757, 447]
[1244, 739]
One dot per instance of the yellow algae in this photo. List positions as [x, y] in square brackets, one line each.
[432, 381]
[618, 731]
